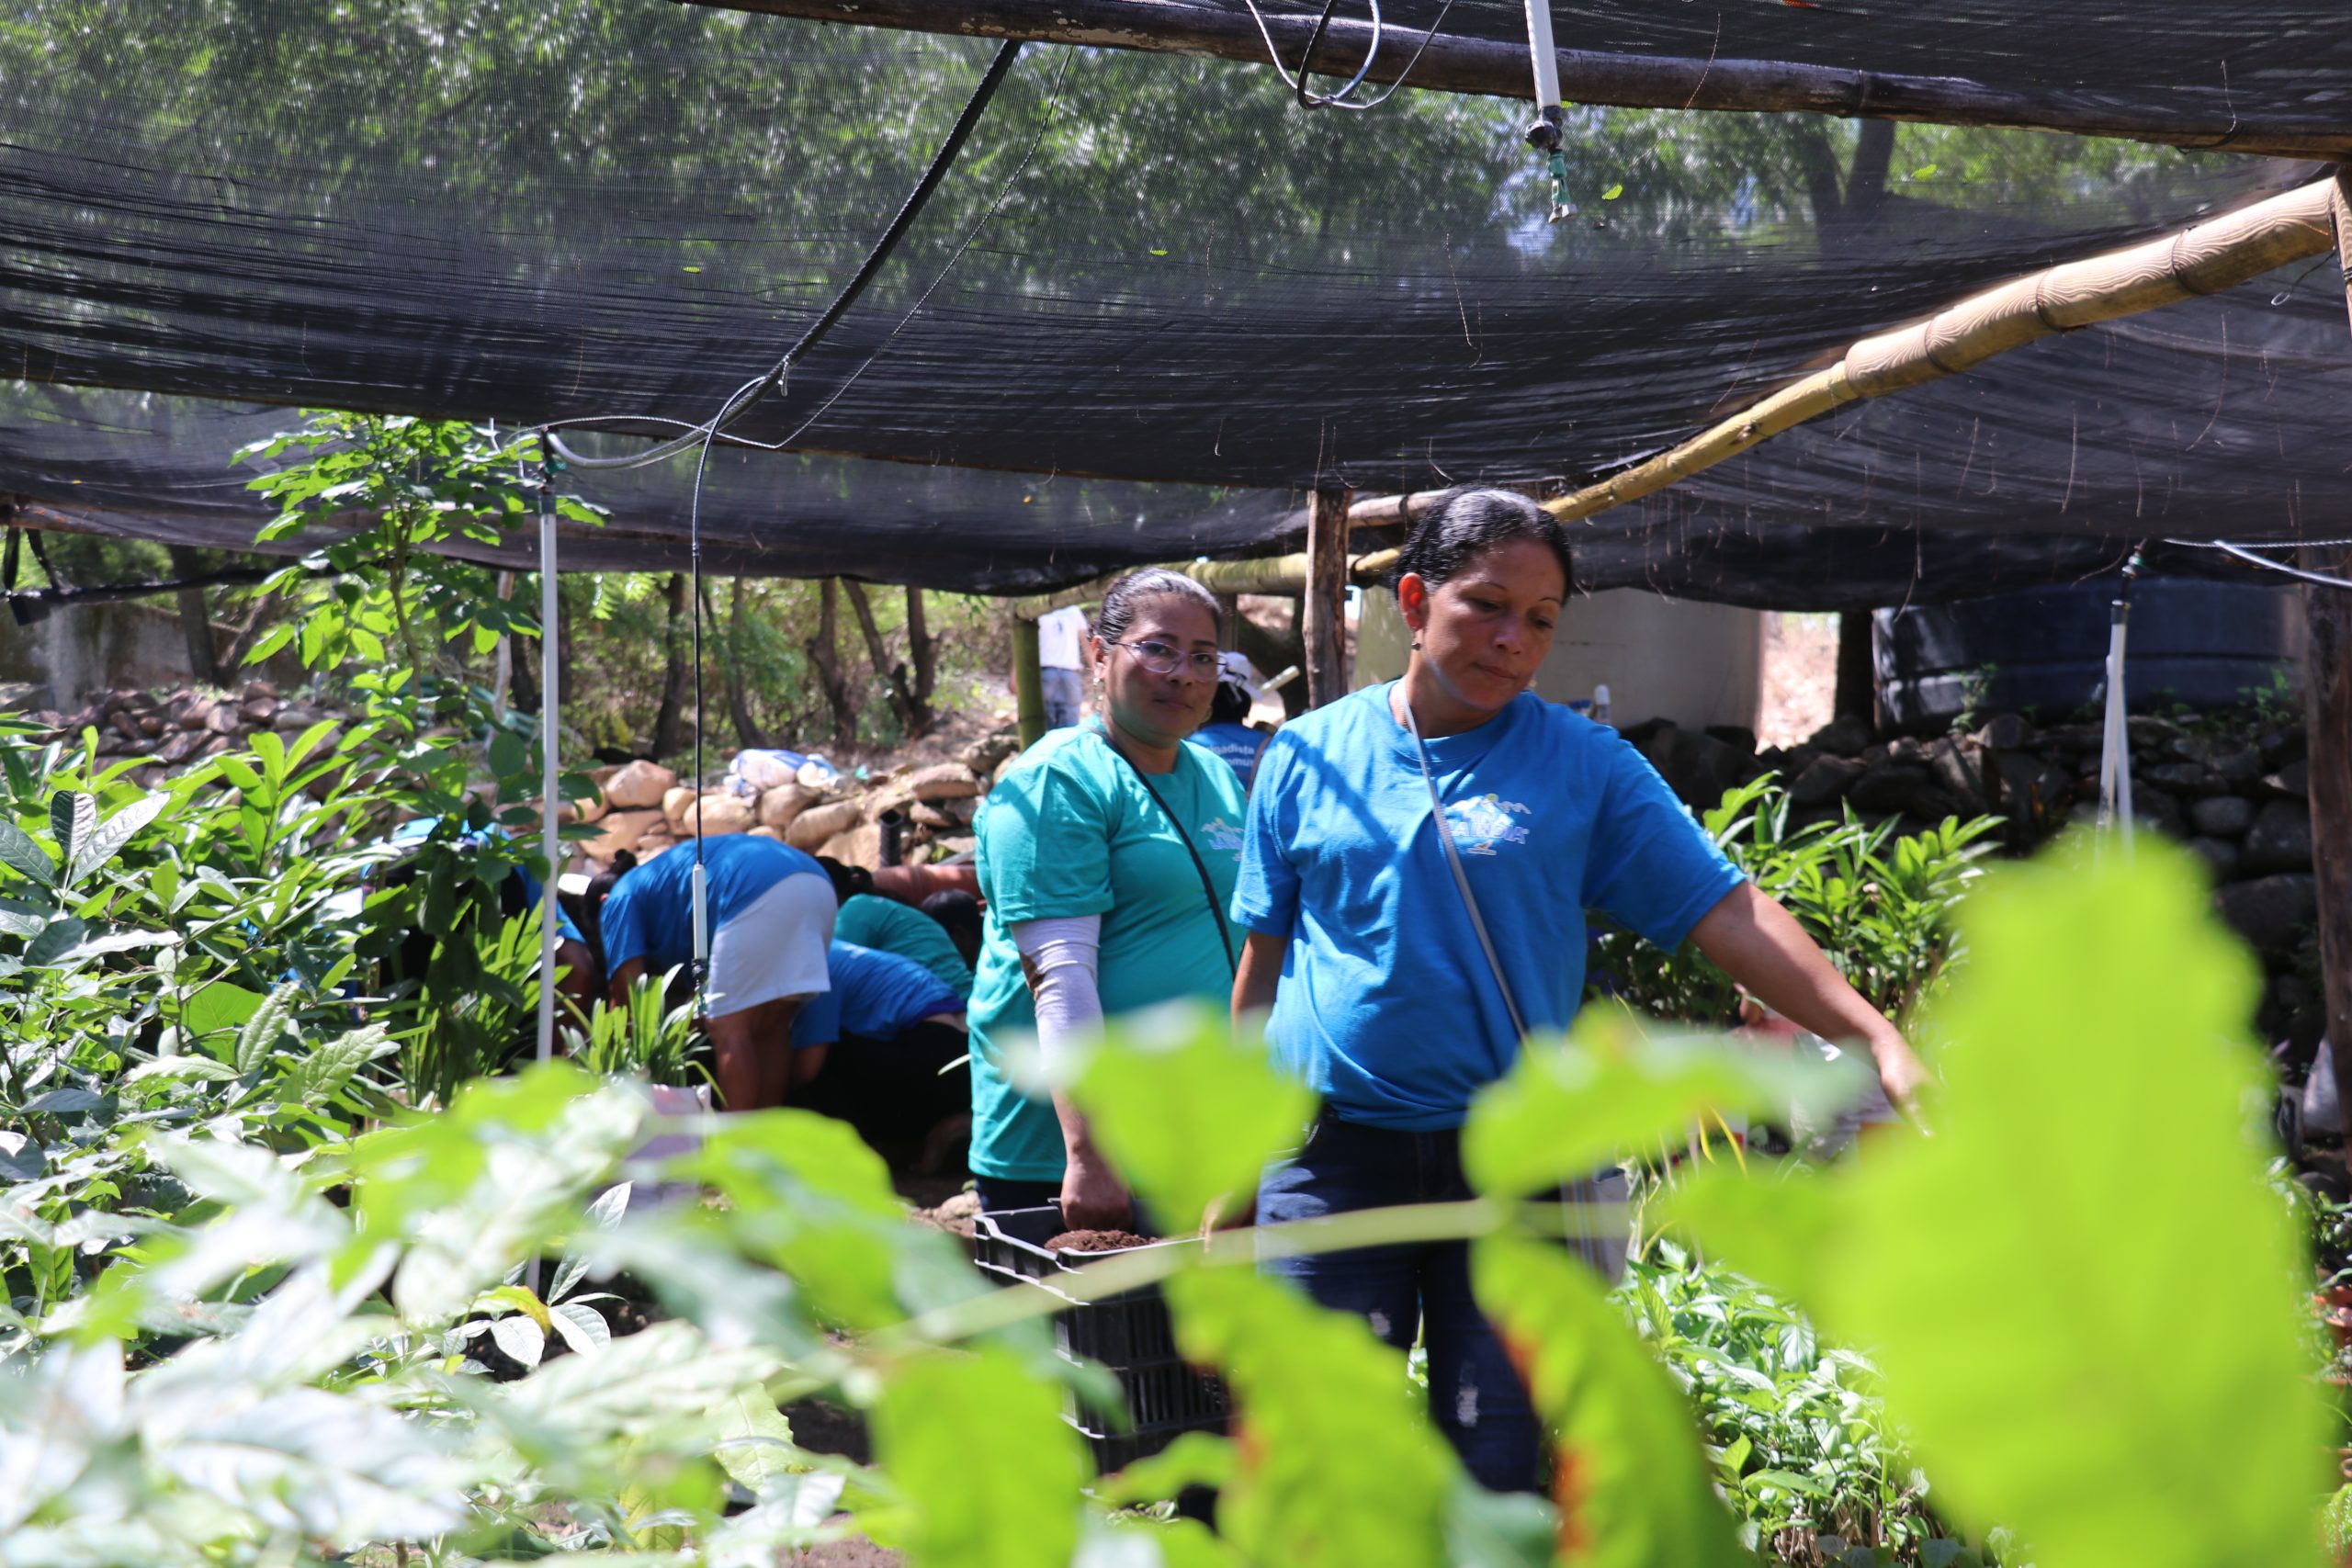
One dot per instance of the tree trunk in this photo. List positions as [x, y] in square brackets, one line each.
[196, 620]
[669, 721]
[893, 676]
[825, 654]
[923, 649]
[739, 701]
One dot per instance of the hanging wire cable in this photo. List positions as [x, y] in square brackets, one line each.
[753, 391]
[2265, 562]
[1340, 100]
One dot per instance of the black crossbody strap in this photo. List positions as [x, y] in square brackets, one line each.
[1209, 888]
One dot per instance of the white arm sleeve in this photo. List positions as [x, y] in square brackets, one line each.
[1062, 954]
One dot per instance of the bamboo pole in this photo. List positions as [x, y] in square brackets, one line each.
[1028, 682]
[2202, 259]
[1452, 62]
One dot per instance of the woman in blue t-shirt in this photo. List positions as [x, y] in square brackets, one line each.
[1106, 858]
[1398, 998]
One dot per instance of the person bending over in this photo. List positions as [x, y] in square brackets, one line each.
[883, 1050]
[771, 913]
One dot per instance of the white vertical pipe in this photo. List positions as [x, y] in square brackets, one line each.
[550, 770]
[1545, 58]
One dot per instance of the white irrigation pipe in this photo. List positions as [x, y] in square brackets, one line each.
[550, 771]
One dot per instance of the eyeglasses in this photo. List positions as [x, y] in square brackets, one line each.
[1162, 660]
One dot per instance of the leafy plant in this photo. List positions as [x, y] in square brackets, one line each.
[642, 1038]
[1879, 905]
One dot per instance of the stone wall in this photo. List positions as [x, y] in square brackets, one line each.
[2231, 787]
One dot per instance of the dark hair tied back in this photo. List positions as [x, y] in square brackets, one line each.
[1126, 596]
[1461, 527]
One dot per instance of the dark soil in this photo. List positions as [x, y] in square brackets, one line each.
[1098, 1241]
[826, 1428]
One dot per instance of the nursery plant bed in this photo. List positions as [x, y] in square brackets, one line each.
[1129, 1334]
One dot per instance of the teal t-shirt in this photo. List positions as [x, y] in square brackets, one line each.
[1071, 831]
[887, 926]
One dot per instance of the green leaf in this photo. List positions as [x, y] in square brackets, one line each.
[61, 937]
[1312, 1384]
[20, 852]
[520, 1337]
[1194, 1459]
[1613, 192]
[221, 1005]
[18, 918]
[755, 1443]
[1188, 1114]
[1497, 1529]
[319, 1075]
[1633, 1483]
[2079, 1292]
[109, 838]
[1924, 171]
[260, 1034]
[508, 755]
[71, 816]
[1570, 1109]
[990, 1470]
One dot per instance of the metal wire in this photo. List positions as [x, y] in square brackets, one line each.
[2264, 561]
[753, 391]
[1340, 100]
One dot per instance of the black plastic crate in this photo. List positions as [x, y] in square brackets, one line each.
[1130, 1335]
[1125, 1330]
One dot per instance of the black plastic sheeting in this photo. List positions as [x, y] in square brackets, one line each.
[1196, 300]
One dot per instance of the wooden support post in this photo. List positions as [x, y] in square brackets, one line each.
[1323, 608]
[1028, 682]
[2328, 717]
[2327, 708]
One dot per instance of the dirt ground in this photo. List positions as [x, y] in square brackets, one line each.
[1800, 677]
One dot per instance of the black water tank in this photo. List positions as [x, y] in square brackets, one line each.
[2043, 651]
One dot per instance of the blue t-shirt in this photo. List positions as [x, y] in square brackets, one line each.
[416, 829]
[876, 996]
[1386, 1005]
[651, 913]
[1237, 743]
[1073, 830]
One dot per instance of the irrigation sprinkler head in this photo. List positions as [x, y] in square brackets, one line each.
[1561, 205]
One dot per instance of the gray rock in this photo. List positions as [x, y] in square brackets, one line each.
[1699, 768]
[1959, 766]
[2281, 745]
[2185, 778]
[1827, 779]
[1907, 789]
[2004, 732]
[2148, 728]
[2280, 838]
[2155, 809]
[1736, 737]
[2192, 748]
[1846, 735]
[2293, 780]
[2222, 816]
[1905, 748]
[2219, 855]
[2273, 913]
[2072, 736]
[2241, 765]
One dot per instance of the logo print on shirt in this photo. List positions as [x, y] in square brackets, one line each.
[1482, 823]
[1223, 835]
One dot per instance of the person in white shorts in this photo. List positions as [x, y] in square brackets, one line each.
[771, 912]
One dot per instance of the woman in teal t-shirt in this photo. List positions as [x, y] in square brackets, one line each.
[1107, 859]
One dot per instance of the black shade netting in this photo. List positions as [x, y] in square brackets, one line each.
[572, 209]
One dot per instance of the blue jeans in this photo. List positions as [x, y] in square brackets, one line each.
[1063, 691]
[1476, 1398]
